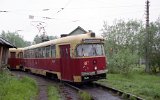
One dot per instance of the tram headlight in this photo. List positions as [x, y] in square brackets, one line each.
[95, 68]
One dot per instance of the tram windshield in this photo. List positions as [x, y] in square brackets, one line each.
[90, 50]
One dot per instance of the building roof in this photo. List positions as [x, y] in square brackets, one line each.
[78, 30]
[6, 43]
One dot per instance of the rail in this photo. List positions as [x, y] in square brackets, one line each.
[119, 92]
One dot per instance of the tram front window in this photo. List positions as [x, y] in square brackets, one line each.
[90, 50]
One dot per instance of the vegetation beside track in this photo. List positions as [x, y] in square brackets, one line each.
[17, 88]
[53, 93]
[143, 85]
[84, 96]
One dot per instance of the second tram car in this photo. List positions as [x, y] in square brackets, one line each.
[77, 58]
[15, 59]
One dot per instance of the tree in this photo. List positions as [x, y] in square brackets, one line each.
[38, 39]
[123, 37]
[15, 39]
[154, 56]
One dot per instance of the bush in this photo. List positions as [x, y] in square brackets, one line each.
[122, 61]
[155, 62]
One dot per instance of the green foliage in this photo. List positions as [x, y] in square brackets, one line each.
[84, 96]
[155, 46]
[122, 61]
[140, 84]
[53, 93]
[123, 44]
[131, 35]
[38, 39]
[13, 88]
[15, 38]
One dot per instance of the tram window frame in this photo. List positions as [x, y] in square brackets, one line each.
[36, 52]
[33, 53]
[26, 53]
[11, 54]
[30, 56]
[48, 51]
[43, 52]
[53, 51]
[30, 53]
[20, 55]
[84, 53]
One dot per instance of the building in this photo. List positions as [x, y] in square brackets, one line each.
[4, 50]
[78, 30]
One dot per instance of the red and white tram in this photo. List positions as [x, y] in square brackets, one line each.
[77, 58]
[15, 59]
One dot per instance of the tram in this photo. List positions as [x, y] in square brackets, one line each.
[76, 58]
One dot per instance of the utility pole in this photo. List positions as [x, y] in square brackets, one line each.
[147, 39]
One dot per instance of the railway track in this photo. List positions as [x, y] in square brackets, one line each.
[96, 91]
[123, 94]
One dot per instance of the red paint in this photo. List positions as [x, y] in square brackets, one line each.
[46, 64]
[13, 62]
[67, 66]
[65, 63]
[87, 64]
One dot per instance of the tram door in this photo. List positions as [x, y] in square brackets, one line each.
[66, 72]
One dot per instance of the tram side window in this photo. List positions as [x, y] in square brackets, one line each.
[12, 54]
[43, 52]
[33, 53]
[20, 55]
[48, 51]
[36, 53]
[25, 54]
[39, 53]
[29, 53]
[30, 56]
[53, 51]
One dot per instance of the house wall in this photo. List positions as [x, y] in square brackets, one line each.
[3, 55]
[78, 31]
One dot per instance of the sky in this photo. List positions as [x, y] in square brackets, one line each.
[63, 16]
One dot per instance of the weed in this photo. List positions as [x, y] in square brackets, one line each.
[53, 93]
[13, 88]
[84, 96]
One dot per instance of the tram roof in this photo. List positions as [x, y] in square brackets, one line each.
[63, 40]
[16, 49]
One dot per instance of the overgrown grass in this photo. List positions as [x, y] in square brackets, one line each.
[141, 84]
[53, 93]
[17, 88]
[84, 96]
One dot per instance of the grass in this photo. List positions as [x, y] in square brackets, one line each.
[53, 93]
[140, 84]
[84, 96]
[17, 88]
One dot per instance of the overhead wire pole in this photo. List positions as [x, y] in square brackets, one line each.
[147, 40]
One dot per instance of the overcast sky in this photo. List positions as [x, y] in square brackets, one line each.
[89, 14]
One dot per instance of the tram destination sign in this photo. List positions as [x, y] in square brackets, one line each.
[93, 40]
